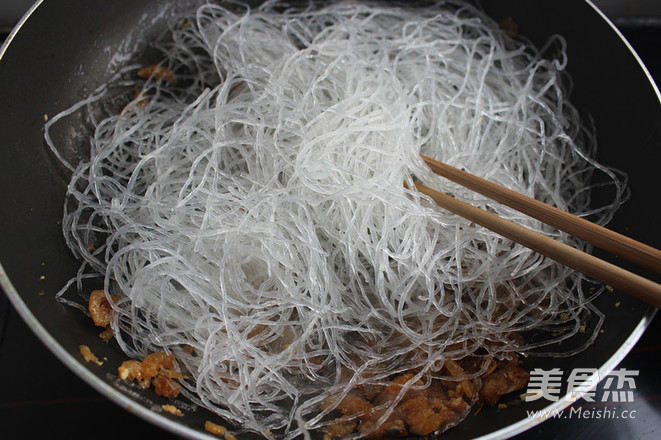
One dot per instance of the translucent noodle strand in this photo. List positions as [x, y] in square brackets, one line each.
[255, 210]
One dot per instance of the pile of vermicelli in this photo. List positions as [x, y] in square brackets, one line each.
[255, 210]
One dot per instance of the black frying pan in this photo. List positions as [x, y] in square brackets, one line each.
[66, 48]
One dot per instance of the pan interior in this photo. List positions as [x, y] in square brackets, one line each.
[80, 47]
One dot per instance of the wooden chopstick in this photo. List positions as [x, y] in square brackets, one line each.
[589, 265]
[603, 238]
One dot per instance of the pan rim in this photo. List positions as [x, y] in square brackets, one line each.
[14, 31]
[633, 52]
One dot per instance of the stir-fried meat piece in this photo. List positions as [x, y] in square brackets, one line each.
[100, 309]
[507, 378]
[456, 370]
[172, 410]
[132, 370]
[165, 386]
[101, 312]
[158, 72]
[154, 363]
[156, 369]
[87, 354]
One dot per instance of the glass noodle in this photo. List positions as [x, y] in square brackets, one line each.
[255, 209]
